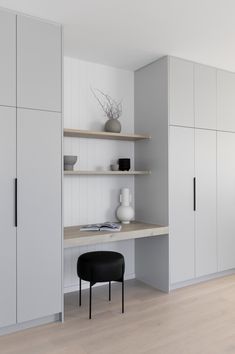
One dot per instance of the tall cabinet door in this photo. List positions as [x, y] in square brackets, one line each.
[181, 88]
[38, 64]
[226, 200]
[39, 214]
[181, 203]
[205, 214]
[7, 58]
[205, 96]
[225, 100]
[7, 217]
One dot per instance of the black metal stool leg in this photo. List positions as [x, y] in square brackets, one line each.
[90, 301]
[122, 295]
[110, 291]
[80, 291]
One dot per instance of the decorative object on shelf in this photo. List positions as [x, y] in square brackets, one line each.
[69, 162]
[106, 226]
[114, 167]
[124, 164]
[125, 212]
[113, 126]
[112, 110]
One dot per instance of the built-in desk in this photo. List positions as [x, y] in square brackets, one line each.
[73, 237]
[151, 248]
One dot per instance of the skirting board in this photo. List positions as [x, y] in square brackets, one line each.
[85, 284]
[29, 324]
[202, 279]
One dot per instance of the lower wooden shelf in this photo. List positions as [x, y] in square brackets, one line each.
[106, 173]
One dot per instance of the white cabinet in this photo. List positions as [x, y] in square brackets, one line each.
[205, 214]
[205, 96]
[192, 94]
[226, 101]
[39, 214]
[38, 64]
[7, 58]
[181, 89]
[198, 110]
[7, 216]
[31, 171]
[226, 200]
[181, 203]
[192, 203]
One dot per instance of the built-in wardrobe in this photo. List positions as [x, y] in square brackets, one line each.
[190, 110]
[31, 173]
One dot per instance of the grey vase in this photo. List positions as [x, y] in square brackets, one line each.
[113, 126]
[69, 162]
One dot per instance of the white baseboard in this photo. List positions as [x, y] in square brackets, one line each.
[85, 285]
[202, 279]
[30, 324]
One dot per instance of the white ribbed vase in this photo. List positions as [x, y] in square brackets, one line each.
[125, 212]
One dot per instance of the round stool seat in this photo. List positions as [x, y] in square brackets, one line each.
[101, 266]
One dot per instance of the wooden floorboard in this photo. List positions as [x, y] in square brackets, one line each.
[196, 319]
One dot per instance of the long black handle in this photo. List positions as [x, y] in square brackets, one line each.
[194, 194]
[16, 211]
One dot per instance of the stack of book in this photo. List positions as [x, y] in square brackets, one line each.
[106, 226]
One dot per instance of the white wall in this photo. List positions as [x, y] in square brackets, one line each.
[95, 198]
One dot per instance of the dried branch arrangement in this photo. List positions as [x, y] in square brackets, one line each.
[111, 108]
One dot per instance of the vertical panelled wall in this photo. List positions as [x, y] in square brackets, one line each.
[89, 199]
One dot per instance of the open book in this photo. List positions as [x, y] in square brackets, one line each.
[106, 226]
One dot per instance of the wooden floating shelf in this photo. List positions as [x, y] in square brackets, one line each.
[76, 133]
[73, 237]
[106, 173]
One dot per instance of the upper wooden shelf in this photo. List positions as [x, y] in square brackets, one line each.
[76, 133]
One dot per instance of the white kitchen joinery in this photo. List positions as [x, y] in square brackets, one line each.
[190, 108]
[30, 182]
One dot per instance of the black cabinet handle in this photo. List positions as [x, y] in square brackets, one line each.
[16, 211]
[194, 194]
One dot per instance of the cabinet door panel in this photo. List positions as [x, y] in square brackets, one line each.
[39, 214]
[205, 215]
[226, 200]
[225, 100]
[205, 97]
[38, 64]
[7, 59]
[181, 213]
[181, 92]
[7, 207]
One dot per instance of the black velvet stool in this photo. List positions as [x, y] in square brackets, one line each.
[99, 267]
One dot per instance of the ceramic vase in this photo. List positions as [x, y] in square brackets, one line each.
[69, 162]
[113, 126]
[125, 212]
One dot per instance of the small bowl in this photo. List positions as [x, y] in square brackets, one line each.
[114, 167]
[69, 162]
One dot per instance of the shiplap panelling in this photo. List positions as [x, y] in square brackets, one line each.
[95, 198]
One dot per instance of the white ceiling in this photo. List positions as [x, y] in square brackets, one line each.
[132, 33]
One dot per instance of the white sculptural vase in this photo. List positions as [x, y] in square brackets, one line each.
[125, 212]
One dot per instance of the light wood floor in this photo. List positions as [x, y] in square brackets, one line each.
[196, 319]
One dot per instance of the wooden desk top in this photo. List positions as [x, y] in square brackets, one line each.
[73, 237]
